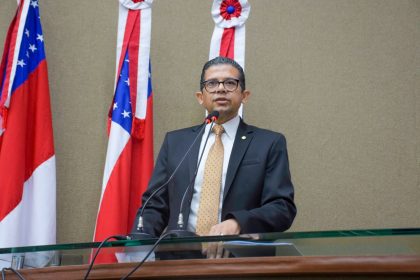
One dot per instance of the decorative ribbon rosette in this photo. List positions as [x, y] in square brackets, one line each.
[228, 38]
[230, 13]
[136, 4]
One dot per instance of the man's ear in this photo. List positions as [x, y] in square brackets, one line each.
[245, 96]
[199, 96]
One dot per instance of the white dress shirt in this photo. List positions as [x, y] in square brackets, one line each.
[228, 137]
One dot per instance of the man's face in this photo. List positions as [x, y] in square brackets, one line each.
[227, 103]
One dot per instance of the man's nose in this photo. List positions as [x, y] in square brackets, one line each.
[221, 88]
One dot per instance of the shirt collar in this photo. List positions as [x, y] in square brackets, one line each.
[231, 127]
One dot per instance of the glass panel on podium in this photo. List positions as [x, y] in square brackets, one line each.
[376, 242]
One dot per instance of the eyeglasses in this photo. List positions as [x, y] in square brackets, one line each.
[230, 84]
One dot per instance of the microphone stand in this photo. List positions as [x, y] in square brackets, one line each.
[140, 227]
[181, 231]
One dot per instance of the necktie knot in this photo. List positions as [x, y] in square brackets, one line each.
[218, 129]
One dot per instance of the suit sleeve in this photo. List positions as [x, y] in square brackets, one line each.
[155, 215]
[277, 209]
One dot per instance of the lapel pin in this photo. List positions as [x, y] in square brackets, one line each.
[243, 137]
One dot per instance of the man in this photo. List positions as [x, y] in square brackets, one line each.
[253, 188]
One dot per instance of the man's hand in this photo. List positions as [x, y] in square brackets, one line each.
[228, 227]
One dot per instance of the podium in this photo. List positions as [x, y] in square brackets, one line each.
[348, 254]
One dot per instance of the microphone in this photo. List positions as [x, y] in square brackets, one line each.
[181, 232]
[213, 116]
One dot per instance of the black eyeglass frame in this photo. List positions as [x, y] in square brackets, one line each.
[221, 82]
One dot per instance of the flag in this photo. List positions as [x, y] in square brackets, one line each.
[27, 160]
[129, 160]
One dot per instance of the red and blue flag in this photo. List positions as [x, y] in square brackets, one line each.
[129, 161]
[27, 158]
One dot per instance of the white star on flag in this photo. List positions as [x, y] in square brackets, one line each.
[125, 114]
[34, 4]
[115, 106]
[21, 63]
[27, 32]
[127, 82]
[32, 48]
[40, 37]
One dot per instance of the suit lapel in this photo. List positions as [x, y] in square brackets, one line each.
[193, 157]
[243, 137]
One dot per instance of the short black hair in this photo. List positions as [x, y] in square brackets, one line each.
[223, 60]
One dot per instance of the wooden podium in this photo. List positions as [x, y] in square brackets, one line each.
[318, 267]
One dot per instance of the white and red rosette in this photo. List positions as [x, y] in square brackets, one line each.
[136, 4]
[230, 13]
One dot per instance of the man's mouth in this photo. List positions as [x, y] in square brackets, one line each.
[221, 100]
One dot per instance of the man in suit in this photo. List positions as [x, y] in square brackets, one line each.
[254, 189]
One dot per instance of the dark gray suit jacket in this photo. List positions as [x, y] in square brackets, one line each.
[258, 189]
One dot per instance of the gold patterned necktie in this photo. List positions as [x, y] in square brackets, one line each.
[210, 189]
